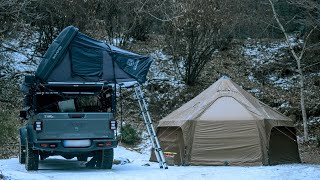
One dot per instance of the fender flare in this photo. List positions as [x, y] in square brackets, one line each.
[23, 135]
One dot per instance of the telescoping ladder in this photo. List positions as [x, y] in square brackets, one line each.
[148, 122]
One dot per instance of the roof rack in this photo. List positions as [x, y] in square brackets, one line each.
[72, 87]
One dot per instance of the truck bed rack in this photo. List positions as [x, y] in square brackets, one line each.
[73, 87]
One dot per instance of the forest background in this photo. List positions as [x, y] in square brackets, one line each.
[192, 42]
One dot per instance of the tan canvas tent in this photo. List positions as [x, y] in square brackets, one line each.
[225, 125]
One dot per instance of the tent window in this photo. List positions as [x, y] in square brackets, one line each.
[86, 61]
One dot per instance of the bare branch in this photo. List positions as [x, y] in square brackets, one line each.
[305, 42]
[164, 20]
[283, 31]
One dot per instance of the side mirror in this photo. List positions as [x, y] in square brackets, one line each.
[23, 114]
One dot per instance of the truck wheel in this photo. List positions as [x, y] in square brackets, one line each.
[22, 153]
[105, 159]
[32, 158]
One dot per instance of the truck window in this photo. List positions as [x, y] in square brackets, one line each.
[74, 103]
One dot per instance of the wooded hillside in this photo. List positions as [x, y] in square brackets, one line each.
[192, 42]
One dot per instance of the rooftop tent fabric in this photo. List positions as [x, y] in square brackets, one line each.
[225, 125]
[131, 63]
[74, 57]
[55, 51]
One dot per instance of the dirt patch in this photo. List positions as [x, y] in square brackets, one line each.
[309, 152]
[9, 150]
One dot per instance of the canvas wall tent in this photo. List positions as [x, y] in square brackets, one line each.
[75, 57]
[225, 125]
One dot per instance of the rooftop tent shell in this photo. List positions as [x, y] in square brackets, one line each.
[75, 57]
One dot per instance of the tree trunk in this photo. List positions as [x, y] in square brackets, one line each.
[302, 104]
[301, 76]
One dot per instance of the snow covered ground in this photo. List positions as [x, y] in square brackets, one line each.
[58, 168]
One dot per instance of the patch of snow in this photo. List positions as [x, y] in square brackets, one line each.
[56, 168]
[254, 90]
[251, 77]
[145, 146]
[163, 70]
[314, 121]
[285, 105]
[261, 54]
[314, 74]
[117, 41]
[158, 54]
[22, 57]
[285, 83]
[294, 41]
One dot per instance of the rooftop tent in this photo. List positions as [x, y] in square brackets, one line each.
[225, 125]
[74, 57]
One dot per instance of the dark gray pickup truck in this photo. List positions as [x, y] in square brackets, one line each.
[71, 120]
[70, 100]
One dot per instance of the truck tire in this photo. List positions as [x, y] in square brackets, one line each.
[105, 159]
[22, 153]
[32, 158]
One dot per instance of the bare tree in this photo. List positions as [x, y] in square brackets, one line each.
[298, 58]
[195, 35]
